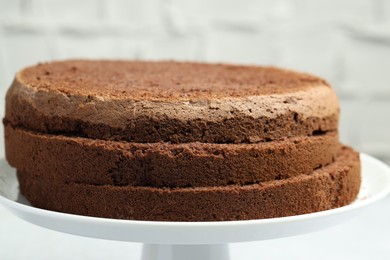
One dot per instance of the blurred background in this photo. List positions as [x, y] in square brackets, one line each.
[345, 41]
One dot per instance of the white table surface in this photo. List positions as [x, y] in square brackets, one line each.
[367, 236]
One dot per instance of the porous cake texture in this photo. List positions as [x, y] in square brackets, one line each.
[329, 187]
[177, 141]
[166, 165]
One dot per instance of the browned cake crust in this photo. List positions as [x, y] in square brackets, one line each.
[165, 165]
[329, 187]
[164, 80]
[170, 102]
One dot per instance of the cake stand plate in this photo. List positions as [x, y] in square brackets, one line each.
[194, 240]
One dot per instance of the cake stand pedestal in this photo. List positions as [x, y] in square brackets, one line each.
[188, 252]
[194, 240]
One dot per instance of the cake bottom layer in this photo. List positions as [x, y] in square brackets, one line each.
[332, 186]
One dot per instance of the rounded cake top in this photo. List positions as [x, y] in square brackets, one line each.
[177, 102]
[164, 80]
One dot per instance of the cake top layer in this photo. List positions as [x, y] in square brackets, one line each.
[166, 80]
[170, 101]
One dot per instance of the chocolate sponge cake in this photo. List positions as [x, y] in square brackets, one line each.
[170, 102]
[177, 141]
[329, 187]
[166, 165]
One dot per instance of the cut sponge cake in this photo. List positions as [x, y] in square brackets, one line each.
[170, 102]
[177, 141]
[332, 186]
[163, 164]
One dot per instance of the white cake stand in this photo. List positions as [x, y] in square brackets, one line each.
[194, 240]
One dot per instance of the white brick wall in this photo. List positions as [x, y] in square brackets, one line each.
[347, 42]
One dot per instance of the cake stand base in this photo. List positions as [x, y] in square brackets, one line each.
[188, 252]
